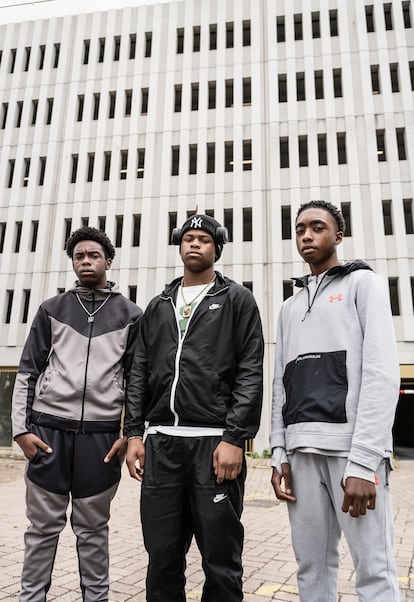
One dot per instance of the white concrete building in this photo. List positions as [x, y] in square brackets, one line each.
[128, 119]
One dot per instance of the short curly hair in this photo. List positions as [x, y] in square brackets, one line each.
[326, 206]
[88, 233]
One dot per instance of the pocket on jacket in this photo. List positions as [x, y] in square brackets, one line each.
[316, 387]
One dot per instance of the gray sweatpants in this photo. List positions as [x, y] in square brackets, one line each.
[317, 520]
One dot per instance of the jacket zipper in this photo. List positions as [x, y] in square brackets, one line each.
[81, 428]
[310, 303]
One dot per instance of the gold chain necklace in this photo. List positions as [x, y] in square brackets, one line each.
[187, 309]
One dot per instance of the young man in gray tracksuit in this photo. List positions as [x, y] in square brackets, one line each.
[66, 409]
[335, 391]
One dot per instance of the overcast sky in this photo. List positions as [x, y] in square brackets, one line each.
[12, 11]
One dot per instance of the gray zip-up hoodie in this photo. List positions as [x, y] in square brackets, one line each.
[336, 381]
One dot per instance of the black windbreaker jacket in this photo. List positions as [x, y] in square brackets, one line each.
[212, 377]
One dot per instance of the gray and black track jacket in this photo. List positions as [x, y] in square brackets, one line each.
[212, 377]
[337, 378]
[71, 373]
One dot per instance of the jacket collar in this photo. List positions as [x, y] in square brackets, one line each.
[343, 269]
[170, 291]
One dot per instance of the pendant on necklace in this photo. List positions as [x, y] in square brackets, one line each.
[91, 319]
[186, 311]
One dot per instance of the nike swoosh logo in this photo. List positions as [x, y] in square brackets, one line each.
[219, 497]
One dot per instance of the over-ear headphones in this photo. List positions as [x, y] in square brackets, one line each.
[219, 233]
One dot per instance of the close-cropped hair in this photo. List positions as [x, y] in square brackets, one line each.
[334, 211]
[88, 233]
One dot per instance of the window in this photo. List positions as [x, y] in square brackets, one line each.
[132, 45]
[42, 170]
[175, 160]
[247, 90]
[247, 224]
[395, 85]
[280, 29]
[337, 82]
[9, 306]
[394, 299]
[140, 162]
[248, 284]
[402, 154]
[35, 231]
[136, 230]
[3, 226]
[246, 33]
[107, 165]
[85, 221]
[112, 104]
[408, 216]
[333, 22]
[297, 26]
[318, 79]
[286, 219]
[74, 169]
[128, 103]
[42, 50]
[211, 157]
[101, 50]
[229, 92]
[172, 223]
[35, 104]
[322, 150]
[213, 36]
[180, 40]
[124, 165]
[19, 112]
[247, 155]
[211, 94]
[4, 108]
[148, 44]
[375, 80]
[178, 93]
[411, 67]
[91, 163]
[81, 104]
[18, 237]
[192, 167]
[228, 222]
[119, 224]
[132, 293]
[96, 103]
[13, 52]
[117, 47]
[194, 96]
[144, 101]
[380, 134]
[11, 173]
[303, 151]
[49, 111]
[26, 171]
[228, 155]
[282, 87]
[388, 16]
[387, 217]
[341, 147]
[316, 24]
[287, 289]
[229, 34]
[56, 48]
[346, 212]
[196, 38]
[27, 52]
[369, 18]
[406, 14]
[284, 151]
[300, 86]
[26, 302]
[102, 223]
[86, 49]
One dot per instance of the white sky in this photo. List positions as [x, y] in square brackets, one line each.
[12, 11]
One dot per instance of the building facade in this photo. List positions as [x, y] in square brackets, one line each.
[128, 120]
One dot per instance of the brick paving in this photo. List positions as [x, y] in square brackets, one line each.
[269, 564]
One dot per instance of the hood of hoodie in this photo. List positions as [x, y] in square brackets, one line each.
[343, 269]
[96, 293]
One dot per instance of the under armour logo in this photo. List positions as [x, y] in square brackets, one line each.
[333, 298]
[196, 222]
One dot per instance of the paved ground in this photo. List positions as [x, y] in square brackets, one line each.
[269, 565]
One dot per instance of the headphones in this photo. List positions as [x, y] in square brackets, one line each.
[221, 235]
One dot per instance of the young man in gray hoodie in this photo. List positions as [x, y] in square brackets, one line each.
[335, 391]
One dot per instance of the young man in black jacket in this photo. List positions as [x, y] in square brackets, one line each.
[196, 380]
[67, 405]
